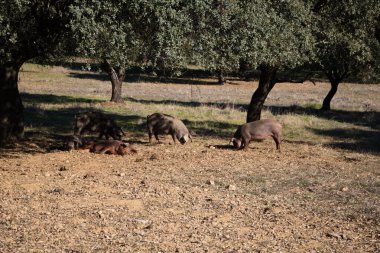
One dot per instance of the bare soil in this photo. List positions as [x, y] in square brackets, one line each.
[199, 197]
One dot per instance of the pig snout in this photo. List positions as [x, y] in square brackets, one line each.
[236, 143]
[184, 139]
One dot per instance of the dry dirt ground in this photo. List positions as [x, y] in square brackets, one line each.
[198, 197]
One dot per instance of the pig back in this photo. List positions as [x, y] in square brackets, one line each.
[179, 128]
[92, 122]
[160, 123]
[263, 127]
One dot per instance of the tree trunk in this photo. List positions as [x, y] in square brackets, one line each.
[335, 77]
[221, 79]
[330, 95]
[266, 83]
[11, 108]
[117, 78]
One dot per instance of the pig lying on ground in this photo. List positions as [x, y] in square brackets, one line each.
[99, 123]
[112, 147]
[257, 130]
[159, 123]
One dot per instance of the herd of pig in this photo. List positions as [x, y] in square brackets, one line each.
[157, 124]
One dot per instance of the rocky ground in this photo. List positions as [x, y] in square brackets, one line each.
[200, 197]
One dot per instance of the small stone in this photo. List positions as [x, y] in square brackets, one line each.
[153, 157]
[62, 168]
[47, 175]
[212, 147]
[334, 235]
[100, 214]
[344, 189]
[55, 190]
[231, 187]
[121, 174]
[210, 182]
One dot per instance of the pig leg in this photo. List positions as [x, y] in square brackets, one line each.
[174, 138]
[244, 144]
[277, 139]
[150, 137]
[156, 136]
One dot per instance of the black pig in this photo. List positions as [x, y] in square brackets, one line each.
[98, 123]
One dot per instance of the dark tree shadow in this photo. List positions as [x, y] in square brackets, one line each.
[171, 80]
[90, 75]
[55, 99]
[211, 128]
[62, 120]
[226, 147]
[52, 127]
[146, 79]
[363, 141]
[368, 119]
[220, 105]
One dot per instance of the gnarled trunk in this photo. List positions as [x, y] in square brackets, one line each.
[117, 78]
[11, 108]
[266, 83]
[329, 96]
[335, 77]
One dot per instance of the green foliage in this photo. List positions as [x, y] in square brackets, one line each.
[346, 38]
[216, 33]
[130, 32]
[276, 33]
[32, 29]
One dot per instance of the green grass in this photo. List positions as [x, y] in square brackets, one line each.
[315, 106]
[214, 115]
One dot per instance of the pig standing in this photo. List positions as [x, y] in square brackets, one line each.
[159, 123]
[257, 130]
[97, 122]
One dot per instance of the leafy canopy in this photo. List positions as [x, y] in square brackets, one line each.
[277, 33]
[32, 29]
[128, 32]
[346, 35]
